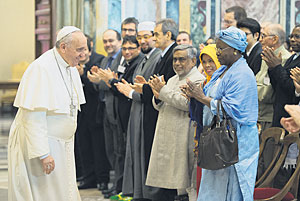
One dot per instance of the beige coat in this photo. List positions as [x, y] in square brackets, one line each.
[265, 91]
[171, 160]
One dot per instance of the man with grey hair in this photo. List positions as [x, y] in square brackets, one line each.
[272, 36]
[165, 33]
[172, 157]
[41, 141]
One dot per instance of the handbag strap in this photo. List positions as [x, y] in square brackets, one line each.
[219, 104]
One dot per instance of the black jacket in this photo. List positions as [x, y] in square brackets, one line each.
[91, 94]
[284, 89]
[123, 103]
[254, 58]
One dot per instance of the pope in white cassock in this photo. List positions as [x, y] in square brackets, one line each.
[41, 163]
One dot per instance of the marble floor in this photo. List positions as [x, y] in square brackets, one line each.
[6, 118]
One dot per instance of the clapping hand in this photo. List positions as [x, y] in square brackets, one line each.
[80, 69]
[156, 82]
[140, 79]
[93, 75]
[124, 87]
[270, 58]
[106, 75]
[295, 75]
[292, 124]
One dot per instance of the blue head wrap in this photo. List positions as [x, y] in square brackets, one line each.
[233, 37]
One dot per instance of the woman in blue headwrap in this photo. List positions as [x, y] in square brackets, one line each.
[234, 84]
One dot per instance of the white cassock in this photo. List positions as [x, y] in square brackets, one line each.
[43, 125]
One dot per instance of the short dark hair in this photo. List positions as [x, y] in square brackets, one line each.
[118, 35]
[250, 24]
[239, 12]
[130, 20]
[169, 25]
[185, 32]
[130, 39]
[89, 42]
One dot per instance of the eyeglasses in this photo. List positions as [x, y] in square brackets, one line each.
[248, 33]
[180, 59]
[295, 36]
[264, 35]
[129, 30]
[128, 48]
[219, 50]
[145, 37]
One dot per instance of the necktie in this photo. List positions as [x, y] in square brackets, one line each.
[143, 62]
[108, 65]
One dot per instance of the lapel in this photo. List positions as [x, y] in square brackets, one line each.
[165, 59]
[290, 63]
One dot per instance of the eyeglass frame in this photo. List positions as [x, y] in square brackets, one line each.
[265, 36]
[129, 48]
[144, 37]
[295, 36]
[180, 59]
[220, 49]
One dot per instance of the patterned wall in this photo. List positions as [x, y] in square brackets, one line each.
[204, 16]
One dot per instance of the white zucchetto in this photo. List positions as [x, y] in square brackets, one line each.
[65, 31]
[146, 26]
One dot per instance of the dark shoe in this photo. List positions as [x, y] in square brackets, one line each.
[184, 197]
[79, 179]
[102, 186]
[86, 185]
[108, 190]
[112, 193]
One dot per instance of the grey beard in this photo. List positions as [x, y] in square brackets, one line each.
[147, 50]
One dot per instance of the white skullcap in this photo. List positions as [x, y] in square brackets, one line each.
[65, 31]
[146, 26]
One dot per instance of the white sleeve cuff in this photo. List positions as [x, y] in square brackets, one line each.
[44, 156]
[297, 94]
[130, 94]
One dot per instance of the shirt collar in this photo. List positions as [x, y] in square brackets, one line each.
[116, 54]
[165, 50]
[149, 53]
[59, 59]
[248, 53]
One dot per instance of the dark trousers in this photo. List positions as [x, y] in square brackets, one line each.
[115, 149]
[90, 138]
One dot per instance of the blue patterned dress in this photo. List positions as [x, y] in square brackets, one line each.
[238, 93]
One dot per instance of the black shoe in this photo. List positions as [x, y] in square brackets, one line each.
[79, 179]
[184, 197]
[102, 186]
[112, 193]
[108, 190]
[86, 185]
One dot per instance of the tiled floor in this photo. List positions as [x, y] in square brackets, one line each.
[5, 122]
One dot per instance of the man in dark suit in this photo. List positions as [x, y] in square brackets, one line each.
[90, 134]
[122, 104]
[165, 33]
[253, 51]
[112, 45]
[285, 92]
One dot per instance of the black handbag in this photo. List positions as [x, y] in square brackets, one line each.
[218, 146]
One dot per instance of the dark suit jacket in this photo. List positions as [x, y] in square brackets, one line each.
[284, 88]
[254, 59]
[89, 109]
[163, 67]
[109, 97]
[123, 104]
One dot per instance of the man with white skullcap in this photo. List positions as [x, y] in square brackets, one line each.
[41, 140]
[139, 146]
